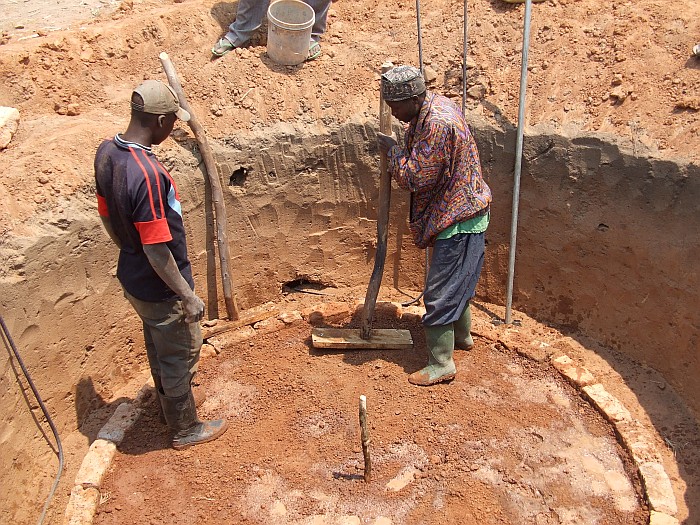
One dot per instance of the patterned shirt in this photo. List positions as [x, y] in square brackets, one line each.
[439, 164]
[140, 198]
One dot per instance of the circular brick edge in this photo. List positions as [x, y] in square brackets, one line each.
[85, 495]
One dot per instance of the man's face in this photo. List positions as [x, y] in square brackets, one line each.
[165, 127]
[405, 110]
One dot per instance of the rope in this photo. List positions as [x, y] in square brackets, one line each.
[7, 335]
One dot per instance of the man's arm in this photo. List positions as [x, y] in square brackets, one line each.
[110, 231]
[163, 262]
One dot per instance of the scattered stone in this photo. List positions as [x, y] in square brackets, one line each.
[477, 91]
[430, 74]
[9, 122]
[208, 350]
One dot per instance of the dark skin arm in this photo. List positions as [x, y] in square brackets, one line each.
[162, 261]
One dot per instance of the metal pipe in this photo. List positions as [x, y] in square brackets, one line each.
[464, 63]
[420, 38]
[518, 160]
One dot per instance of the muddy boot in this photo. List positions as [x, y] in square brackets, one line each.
[441, 367]
[181, 414]
[159, 395]
[463, 326]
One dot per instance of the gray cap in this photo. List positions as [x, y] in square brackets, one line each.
[159, 99]
[401, 83]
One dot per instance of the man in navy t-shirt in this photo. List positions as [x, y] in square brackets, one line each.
[139, 205]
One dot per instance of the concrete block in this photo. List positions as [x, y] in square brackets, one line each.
[608, 404]
[290, 318]
[82, 505]
[638, 442]
[9, 122]
[658, 488]
[659, 518]
[574, 373]
[122, 420]
[95, 463]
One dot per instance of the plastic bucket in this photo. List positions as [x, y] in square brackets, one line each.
[289, 31]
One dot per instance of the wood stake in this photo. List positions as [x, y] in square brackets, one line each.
[382, 221]
[365, 438]
[217, 193]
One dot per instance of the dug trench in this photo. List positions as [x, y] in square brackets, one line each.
[509, 441]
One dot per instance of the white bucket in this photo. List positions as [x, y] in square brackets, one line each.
[289, 31]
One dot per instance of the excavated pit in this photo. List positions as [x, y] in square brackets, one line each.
[605, 254]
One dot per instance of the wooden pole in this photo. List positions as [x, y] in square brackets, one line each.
[382, 220]
[365, 438]
[216, 193]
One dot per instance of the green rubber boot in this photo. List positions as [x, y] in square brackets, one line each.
[441, 366]
[463, 326]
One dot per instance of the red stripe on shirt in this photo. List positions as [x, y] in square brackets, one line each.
[148, 182]
[154, 232]
[160, 191]
[170, 178]
[102, 206]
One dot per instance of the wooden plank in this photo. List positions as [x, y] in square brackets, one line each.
[349, 338]
[251, 316]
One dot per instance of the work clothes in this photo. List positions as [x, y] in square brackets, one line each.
[455, 267]
[439, 164]
[172, 345]
[140, 198]
[250, 13]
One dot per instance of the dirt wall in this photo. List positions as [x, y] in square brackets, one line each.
[605, 247]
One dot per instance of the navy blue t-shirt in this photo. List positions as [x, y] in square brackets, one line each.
[139, 197]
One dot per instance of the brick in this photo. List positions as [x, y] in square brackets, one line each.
[608, 404]
[95, 463]
[122, 420]
[638, 442]
[658, 488]
[81, 506]
[576, 374]
[659, 518]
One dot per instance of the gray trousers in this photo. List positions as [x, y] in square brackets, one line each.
[172, 345]
[250, 13]
[454, 271]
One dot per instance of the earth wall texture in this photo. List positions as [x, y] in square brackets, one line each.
[607, 247]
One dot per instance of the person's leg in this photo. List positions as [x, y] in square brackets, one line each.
[177, 345]
[320, 7]
[249, 17]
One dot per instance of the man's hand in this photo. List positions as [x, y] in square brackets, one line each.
[162, 261]
[194, 309]
[385, 142]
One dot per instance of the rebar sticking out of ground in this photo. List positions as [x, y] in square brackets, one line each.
[365, 438]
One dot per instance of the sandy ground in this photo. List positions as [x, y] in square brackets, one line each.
[623, 68]
[507, 442]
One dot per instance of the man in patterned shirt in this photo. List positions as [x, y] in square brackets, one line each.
[439, 164]
[140, 208]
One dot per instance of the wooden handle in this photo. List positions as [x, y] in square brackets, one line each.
[382, 220]
[216, 192]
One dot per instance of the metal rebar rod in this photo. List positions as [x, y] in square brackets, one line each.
[420, 38]
[464, 62]
[518, 160]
